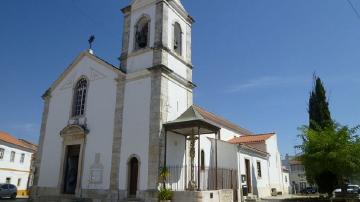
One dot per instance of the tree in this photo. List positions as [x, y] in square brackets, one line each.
[319, 113]
[329, 149]
[330, 155]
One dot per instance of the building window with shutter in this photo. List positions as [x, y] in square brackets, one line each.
[2, 151]
[12, 156]
[22, 159]
[258, 165]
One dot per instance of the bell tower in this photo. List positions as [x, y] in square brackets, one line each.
[156, 56]
[157, 32]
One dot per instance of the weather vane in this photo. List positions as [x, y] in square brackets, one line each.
[91, 41]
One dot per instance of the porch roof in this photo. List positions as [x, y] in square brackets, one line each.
[191, 122]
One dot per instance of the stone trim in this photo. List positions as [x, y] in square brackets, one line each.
[46, 97]
[188, 44]
[161, 34]
[174, 76]
[155, 129]
[67, 140]
[125, 40]
[117, 139]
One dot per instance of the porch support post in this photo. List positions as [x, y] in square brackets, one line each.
[165, 151]
[216, 160]
[186, 164]
[165, 148]
[198, 159]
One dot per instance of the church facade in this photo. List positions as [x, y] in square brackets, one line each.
[108, 132]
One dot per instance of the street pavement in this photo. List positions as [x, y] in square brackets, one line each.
[14, 200]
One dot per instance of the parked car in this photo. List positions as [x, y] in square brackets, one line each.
[309, 190]
[352, 188]
[8, 190]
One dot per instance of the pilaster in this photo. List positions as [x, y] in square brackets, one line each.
[117, 139]
[125, 38]
[46, 97]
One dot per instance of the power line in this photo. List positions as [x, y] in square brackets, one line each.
[354, 9]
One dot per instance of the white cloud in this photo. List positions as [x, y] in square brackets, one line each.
[265, 82]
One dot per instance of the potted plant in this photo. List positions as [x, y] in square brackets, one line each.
[165, 195]
[164, 174]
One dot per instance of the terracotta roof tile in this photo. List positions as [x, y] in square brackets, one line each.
[251, 138]
[221, 121]
[6, 137]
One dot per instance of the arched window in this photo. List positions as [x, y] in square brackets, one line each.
[79, 97]
[142, 29]
[202, 160]
[177, 38]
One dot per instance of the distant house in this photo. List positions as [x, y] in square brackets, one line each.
[297, 174]
[16, 157]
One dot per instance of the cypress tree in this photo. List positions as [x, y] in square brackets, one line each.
[319, 113]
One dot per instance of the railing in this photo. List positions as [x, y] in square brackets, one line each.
[180, 176]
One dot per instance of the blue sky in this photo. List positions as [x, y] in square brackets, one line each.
[254, 59]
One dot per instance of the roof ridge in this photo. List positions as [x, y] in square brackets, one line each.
[225, 120]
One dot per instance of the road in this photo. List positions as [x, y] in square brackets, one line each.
[14, 200]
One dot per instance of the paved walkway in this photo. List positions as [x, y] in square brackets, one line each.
[282, 197]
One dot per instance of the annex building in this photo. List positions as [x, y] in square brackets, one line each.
[16, 158]
[108, 131]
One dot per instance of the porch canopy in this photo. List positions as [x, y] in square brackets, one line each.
[192, 124]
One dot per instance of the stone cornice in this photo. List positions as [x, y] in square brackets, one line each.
[174, 76]
[126, 10]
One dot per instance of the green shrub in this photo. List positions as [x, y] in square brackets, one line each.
[165, 194]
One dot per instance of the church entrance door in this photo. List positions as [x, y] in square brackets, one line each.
[71, 168]
[134, 172]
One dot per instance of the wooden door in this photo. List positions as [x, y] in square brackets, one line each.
[248, 175]
[71, 169]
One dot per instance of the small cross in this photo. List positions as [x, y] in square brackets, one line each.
[91, 41]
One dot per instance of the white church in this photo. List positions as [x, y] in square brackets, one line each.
[108, 131]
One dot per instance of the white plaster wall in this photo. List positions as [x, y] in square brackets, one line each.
[226, 154]
[286, 182]
[139, 62]
[260, 185]
[177, 100]
[177, 66]
[176, 161]
[100, 120]
[227, 135]
[175, 150]
[15, 170]
[135, 140]
[275, 168]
